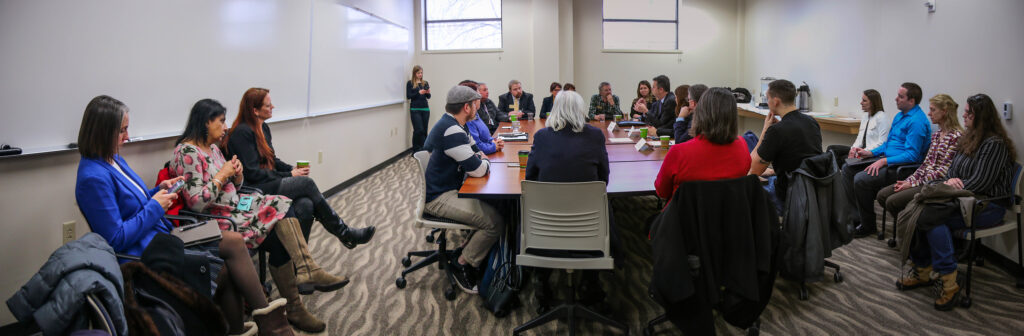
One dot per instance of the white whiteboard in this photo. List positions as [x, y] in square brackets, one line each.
[160, 57]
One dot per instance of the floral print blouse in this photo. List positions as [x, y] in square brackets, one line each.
[939, 157]
[201, 194]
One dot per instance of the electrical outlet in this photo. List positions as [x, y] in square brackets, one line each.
[68, 232]
[835, 101]
[320, 157]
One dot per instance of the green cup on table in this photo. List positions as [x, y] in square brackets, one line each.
[664, 141]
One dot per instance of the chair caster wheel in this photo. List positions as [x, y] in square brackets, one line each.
[881, 235]
[980, 262]
[648, 331]
[400, 283]
[803, 294]
[965, 302]
[892, 243]
[430, 238]
[449, 294]
[837, 277]
[406, 262]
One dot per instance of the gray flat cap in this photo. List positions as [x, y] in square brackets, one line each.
[461, 94]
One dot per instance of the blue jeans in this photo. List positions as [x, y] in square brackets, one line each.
[419, 128]
[935, 247]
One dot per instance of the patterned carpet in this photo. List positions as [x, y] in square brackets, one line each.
[866, 303]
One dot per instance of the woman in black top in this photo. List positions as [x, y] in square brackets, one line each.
[569, 150]
[251, 141]
[545, 106]
[643, 92]
[983, 165]
[417, 91]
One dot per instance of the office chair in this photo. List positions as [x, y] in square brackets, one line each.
[570, 217]
[439, 226]
[973, 235]
[902, 173]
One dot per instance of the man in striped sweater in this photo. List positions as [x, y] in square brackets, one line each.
[454, 155]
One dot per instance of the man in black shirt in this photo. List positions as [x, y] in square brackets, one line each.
[787, 142]
[488, 112]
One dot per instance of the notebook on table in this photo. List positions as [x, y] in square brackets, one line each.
[520, 136]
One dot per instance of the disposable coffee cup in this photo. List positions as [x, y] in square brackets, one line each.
[302, 164]
[618, 118]
[643, 133]
[664, 141]
[523, 156]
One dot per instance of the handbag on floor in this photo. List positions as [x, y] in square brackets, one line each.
[502, 278]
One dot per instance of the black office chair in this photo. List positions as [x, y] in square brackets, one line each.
[902, 173]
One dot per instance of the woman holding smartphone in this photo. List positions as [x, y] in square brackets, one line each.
[117, 207]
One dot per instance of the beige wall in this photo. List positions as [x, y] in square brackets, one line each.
[844, 47]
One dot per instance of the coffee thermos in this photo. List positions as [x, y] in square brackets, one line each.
[803, 98]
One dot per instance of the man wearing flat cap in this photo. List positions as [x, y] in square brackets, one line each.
[453, 156]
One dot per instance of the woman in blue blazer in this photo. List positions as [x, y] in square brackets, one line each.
[117, 206]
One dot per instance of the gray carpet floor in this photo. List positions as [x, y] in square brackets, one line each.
[866, 303]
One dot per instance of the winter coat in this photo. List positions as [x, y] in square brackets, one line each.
[714, 247]
[817, 218]
[54, 297]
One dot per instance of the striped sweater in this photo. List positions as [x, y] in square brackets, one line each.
[936, 162]
[453, 156]
[988, 171]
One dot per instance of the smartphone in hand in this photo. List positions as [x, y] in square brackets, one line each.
[176, 186]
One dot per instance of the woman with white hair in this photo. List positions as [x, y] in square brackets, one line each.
[568, 150]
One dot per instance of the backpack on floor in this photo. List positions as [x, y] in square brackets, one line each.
[501, 281]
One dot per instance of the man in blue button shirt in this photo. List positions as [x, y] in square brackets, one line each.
[906, 144]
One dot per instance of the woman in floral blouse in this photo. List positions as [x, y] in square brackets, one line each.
[941, 111]
[264, 221]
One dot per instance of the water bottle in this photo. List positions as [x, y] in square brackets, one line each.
[515, 123]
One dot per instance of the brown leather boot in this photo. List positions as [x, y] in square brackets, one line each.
[919, 277]
[298, 316]
[950, 295]
[306, 270]
[271, 321]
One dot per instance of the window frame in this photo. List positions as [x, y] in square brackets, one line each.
[650, 51]
[499, 19]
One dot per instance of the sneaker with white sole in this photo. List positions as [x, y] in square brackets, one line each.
[465, 277]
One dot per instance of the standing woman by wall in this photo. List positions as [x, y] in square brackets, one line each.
[418, 91]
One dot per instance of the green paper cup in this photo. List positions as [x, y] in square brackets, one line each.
[523, 156]
[302, 164]
[664, 141]
[643, 133]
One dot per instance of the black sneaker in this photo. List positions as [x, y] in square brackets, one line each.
[465, 277]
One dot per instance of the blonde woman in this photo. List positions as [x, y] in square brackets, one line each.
[941, 111]
[417, 91]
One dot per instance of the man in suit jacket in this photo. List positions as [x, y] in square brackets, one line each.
[661, 115]
[488, 112]
[515, 102]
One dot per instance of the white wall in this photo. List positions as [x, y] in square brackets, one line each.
[842, 48]
[707, 37]
[37, 193]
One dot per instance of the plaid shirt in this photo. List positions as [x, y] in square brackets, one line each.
[599, 106]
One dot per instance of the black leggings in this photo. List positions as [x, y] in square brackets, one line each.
[272, 245]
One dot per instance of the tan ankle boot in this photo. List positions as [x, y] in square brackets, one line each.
[284, 278]
[950, 295]
[306, 270]
[922, 276]
[271, 321]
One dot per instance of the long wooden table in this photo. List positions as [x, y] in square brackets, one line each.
[631, 173]
[532, 126]
[834, 124]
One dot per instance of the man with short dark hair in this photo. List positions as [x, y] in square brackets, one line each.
[454, 156]
[515, 102]
[907, 143]
[604, 105]
[662, 113]
[685, 117]
[784, 143]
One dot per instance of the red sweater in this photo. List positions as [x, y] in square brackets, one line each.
[701, 160]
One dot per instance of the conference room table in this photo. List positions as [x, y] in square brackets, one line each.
[631, 172]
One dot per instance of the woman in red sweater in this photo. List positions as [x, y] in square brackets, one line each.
[715, 153]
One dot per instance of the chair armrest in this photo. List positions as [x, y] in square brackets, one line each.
[250, 190]
[904, 171]
[190, 219]
[234, 226]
